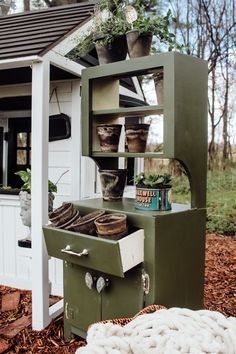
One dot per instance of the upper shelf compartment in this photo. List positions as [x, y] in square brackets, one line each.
[112, 93]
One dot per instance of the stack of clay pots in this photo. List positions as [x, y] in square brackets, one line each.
[65, 215]
[97, 223]
[86, 224]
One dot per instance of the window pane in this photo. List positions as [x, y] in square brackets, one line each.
[21, 157]
[21, 139]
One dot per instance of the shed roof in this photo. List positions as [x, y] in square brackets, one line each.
[36, 32]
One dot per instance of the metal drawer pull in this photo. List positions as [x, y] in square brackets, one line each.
[68, 250]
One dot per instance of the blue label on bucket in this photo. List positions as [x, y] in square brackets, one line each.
[153, 199]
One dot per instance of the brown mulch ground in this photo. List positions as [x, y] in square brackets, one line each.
[220, 295]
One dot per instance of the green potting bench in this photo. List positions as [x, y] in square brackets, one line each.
[162, 261]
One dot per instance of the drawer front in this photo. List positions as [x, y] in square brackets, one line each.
[92, 252]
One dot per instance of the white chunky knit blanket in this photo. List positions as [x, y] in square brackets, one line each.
[167, 331]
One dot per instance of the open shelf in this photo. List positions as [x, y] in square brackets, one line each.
[129, 112]
[128, 154]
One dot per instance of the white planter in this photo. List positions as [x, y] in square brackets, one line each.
[25, 208]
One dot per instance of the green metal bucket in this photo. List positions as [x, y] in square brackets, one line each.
[153, 199]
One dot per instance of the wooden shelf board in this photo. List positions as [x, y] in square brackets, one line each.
[127, 154]
[130, 111]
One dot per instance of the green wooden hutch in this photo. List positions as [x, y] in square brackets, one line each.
[162, 261]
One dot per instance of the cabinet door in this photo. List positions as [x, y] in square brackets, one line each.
[82, 306]
[123, 297]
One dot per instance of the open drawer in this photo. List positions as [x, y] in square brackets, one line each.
[111, 257]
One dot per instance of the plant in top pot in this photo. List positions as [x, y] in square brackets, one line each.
[107, 34]
[25, 199]
[153, 191]
[142, 28]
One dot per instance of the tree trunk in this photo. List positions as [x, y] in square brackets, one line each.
[26, 5]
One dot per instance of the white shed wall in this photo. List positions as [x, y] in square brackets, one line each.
[15, 262]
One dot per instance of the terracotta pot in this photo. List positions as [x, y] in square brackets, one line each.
[153, 198]
[62, 214]
[113, 183]
[159, 86]
[86, 225]
[136, 137]
[116, 52]
[110, 224]
[25, 209]
[109, 136]
[71, 221]
[139, 45]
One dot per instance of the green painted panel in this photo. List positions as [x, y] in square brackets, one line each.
[82, 306]
[123, 297]
[126, 205]
[179, 263]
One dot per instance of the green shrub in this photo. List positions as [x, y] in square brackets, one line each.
[221, 200]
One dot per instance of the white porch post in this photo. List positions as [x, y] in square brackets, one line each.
[76, 140]
[39, 193]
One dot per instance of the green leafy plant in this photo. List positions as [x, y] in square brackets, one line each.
[105, 29]
[156, 25]
[114, 25]
[26, 178]
[153, 180]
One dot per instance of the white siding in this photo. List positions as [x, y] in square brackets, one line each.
[16, 262]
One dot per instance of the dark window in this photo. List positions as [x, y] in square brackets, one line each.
[19, 149]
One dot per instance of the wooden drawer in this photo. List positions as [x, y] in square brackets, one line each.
[112, 257]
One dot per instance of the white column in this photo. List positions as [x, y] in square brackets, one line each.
[76, 140]
[39, 192]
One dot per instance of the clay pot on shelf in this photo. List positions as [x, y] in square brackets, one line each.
[112, 226]
[136, 137]
[139, 45]
[116, 51]
[109, 136]
[113, 183]
[85, 224]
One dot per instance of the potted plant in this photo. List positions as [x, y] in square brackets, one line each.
[25, 201]
[8, 190]
[107, 34]
[142, 28]
[153, 191]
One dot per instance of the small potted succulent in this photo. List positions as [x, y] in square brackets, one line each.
[153, 191]
[8, 190]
